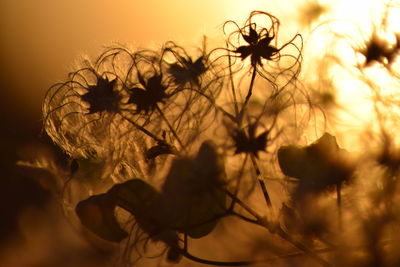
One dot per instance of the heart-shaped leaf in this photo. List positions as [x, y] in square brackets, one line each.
[317, 166]
[97, 214]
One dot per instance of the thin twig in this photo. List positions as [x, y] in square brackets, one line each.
[189, 256]
[249, 93]
[339, 204]
[275, 228]
[142, 129]
[212, 101]
[232, 83]
[261, 182]
[170, 126]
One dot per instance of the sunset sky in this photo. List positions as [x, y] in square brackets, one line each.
[43, 40]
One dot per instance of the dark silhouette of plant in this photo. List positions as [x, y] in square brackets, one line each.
[191, 202]
[378, 50]
[146, 98]
[167, 149]
[258, 47]
[185, 70]
[249, 142]
[102, 97]
[318, 166]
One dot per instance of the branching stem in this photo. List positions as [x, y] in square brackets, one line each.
[170, 126]
[141, 128]
[275, 228]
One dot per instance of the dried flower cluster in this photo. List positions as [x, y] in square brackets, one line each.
[168, 148]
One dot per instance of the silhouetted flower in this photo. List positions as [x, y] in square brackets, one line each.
[379, 50]
[183, 68]
[375, 50]
[249, 142]
[259, 46]
[149, 95]
[80, 113]
[187, 70]
[102, 96]
[260, 33]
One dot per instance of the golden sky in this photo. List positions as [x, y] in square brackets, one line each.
[42, 40]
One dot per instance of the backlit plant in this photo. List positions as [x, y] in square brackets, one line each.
[172, 148]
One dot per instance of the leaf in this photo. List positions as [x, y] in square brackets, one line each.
[191, 198]
[144, 203]
[135, 196]
[317, 166]
[209, 164]
[203, 215]
[97, 214]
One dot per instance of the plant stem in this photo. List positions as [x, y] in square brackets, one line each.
[249, 93]
[212, 101]
[339, 204]
[170, 126]
[312, 254]
[232, 84]
[243, 205]
[189, 256]
[275, 228]
[261, 182]
[142, 129]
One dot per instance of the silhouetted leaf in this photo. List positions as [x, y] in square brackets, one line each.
[144, 203]
[97, 214]
[135, 196]
[317, 166]
[191, 197]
